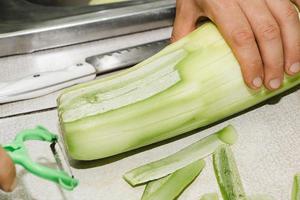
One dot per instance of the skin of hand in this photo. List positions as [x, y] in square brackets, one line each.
[264, 34]
[7, 172]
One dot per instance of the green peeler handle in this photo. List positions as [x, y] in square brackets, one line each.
[19, 155]
[47, 173]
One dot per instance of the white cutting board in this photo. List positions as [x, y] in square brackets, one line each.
[267, 154]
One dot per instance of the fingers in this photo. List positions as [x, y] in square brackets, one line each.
[187, 14]
[288, 19]
[268, 36]
[263, 34]
[237, 31]
[7, 172]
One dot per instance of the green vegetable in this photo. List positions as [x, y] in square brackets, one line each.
[227, 174]
[296, 188]
[260, 197]
[154, 185]
[171, 186]
[190, 154]
[210, 196]
[189, 84]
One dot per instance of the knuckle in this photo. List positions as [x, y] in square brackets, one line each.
[216, 6]
[242, 37]
[277, 63]
[269, 31]
[255, 64]
[225, 3]
[276, 67]
[291, 13]
[280, 66]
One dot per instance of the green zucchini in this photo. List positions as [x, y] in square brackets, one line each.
[171, 186]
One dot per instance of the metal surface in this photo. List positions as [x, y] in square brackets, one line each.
[60, 3]
[26, 27]
[59, 153]
[267, 154]
[120, 59]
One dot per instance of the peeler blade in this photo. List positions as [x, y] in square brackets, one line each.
[63, 165]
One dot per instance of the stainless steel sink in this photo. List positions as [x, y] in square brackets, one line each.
[76, 2]
[61, 2]
[31, 25]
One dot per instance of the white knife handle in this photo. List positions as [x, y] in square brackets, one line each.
[40, 84]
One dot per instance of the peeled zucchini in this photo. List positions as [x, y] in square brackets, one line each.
[189, 84]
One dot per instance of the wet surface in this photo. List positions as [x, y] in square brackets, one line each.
[16, 15]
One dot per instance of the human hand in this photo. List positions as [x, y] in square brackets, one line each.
[263, 34]
[7, 172]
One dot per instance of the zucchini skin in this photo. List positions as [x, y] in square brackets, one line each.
[196, 151]
[210, 88]
[227, 174]
[170, 187]
[296, 188]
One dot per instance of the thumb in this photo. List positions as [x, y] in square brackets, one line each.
[186, 18]
[7, 172]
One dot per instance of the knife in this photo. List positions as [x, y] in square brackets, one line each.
[39, 84]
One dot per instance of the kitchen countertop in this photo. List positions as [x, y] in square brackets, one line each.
[267, 151]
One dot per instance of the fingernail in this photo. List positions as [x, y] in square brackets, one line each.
[295, 68]
[257, 82]
[275, 83]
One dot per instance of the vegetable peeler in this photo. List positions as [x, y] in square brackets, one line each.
[18, 153]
